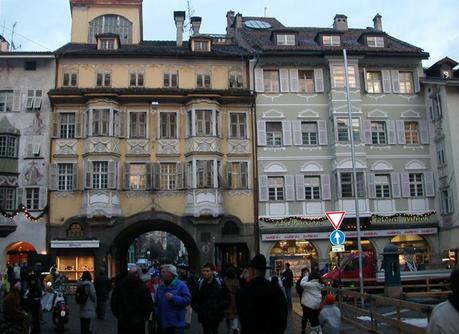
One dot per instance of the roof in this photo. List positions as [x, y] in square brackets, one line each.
[26, 54]
[105, 2]
[434, 70]
[7, 127]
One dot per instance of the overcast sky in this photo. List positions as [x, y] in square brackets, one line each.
[44, 25]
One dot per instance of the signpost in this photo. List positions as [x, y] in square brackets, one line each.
[337, 238]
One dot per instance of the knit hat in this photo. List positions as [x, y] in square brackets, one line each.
[330, 299]
[170, 268]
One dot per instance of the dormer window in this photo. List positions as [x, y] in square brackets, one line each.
[446, 74]
[375, 41]
[331, 40]
[108, 41]
[107, 44]
[285, 39]
[201, 46]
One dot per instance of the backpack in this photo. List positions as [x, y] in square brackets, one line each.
[81, 295]
[217, 279]
[298, 288]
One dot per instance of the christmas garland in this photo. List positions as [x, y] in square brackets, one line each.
[22, 208]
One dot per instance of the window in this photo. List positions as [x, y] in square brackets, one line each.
[378, 133]
[285, 39]
[447, 205]
[100, 122]
[136, 79]
[204, 173]
[375, 42]
[441, 158]
[203, 80]
[271, 81]
[203, 122]
[170, 80]
[306, 81]
[201, 45]
[236, 80]
[65, 177]
[238, 175]
[75, 231]
[100, 175]
[33, 198]
[343, 130]
[137, 124]
[312, 187]
[274, 133]
[8, 146]
[7, 198]
[435, 108]
[339, 79]
[382, 185]
[168, 176]
[6, 100]
[107, 44]
[168, 125]
[347, 185]
[104, 79]
[309, 133]
[137, 176]
[30, 65]
[67, 125]
[331, 40]
[374, 82]
[111, 24]
[34, 97]
[416, 185]
[238, 125]
[276, 188]
[406, 82]
[70, 79]
[411, 133]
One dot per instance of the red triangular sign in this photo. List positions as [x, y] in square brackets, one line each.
[336, 218]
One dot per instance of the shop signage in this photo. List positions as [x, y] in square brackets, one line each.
[401, 219]
[291, 222]
[75, 243]
[338, 248]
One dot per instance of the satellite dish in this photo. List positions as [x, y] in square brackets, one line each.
[257, 24]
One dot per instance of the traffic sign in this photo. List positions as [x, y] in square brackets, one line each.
[335, 218]
[338, 249]
[337, 237]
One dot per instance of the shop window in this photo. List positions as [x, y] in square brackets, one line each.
[74, 266]
[414, 250]
[75, 231]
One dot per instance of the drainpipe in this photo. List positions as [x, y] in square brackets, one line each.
[255, 164]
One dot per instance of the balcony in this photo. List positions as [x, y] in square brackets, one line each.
[101, 203]
[107, 145]
[203, 145]
[204, 202]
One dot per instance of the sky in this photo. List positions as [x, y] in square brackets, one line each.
[44, 25]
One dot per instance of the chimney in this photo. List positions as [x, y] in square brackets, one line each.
[195, 24]
[4, 45]
[179, 18]
[377, 22]
[340, 22]
[238, 24]
[229, 22]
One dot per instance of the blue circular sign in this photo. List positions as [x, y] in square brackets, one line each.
[337, 237]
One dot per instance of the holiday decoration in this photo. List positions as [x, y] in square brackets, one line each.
[22, 208]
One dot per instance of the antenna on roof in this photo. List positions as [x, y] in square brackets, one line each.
[12, 46]
[266, 11]
[189, 15]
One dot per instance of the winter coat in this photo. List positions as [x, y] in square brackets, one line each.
[88, 309]
[16, 319]
[171, 314]
[287, 278]
[233, 286]
[445, 317]
[210, 301]
[103, 286]
[330, 319]
[131, 304]
[262, 307]
[312, 293]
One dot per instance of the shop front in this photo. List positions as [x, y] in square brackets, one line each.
[298, 253]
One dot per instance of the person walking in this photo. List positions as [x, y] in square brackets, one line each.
[330, 316]
[299, 291]
[287, 283]
[210, 300]
[185, 275]
[232, 283]
[311, 300]
[34, 298]
[261, 306]
[131, 303]
[88, 308]
[172, 298]
[4, 289]
[103, 285]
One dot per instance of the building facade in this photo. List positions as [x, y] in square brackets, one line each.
[148, 135]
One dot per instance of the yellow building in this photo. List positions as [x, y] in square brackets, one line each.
[148, 135]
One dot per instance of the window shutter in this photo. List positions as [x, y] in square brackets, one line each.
[319, 80]
[20, 196]
[395, 81]
[283, 79]
[122, 119]
[391, 134]
[263, 188]
[75, 176]
[294, 85]
[37, 100]
[55, 124]
[365, 79]
[112, 174]
[261, 133]
[148, 176]
[286, 133]
[405, 184]
[180, 176]
[53, 177]
[259, 82]
[42, 198]
[400, 125]
[299, 183]
[417, 85]
[297, 134]
[155, 176]
[79, 124]
[322, 129]
[325, 187]
[88, 174]
[29, 148]
[17, 99]
[429, 184]
[338, 185]
[357, 76]
[290, 187]
[395, 182]
[424, 132]
[126, 176]
[367, 131]
[387, 87]
[371, 185]
[229, 175]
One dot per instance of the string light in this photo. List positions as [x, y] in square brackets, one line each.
[22, 208]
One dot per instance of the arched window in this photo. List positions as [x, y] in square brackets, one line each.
[111, 24]
[75, 231]
[230, 228]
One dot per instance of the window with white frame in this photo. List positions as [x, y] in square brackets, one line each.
[137, 176]
[238, 126]
[104, 79]
[411, 133]
[203, 80]
[34, 97]
[271, 81]
[306, 81]
[347, 184]
[331, 40]
[65, 177]
[33, 198]
[201, 45]
[170, 79]
[274, 133]
[100, 175]
[375, 41]
[435, 108]
[309, 133]
[447, 204]
[236, 79]
[416, 184]
[238, 175]
[406, 82]
[203, 122]
[100, 122]
[276, 188]
[137, 124]
[70, 79]
[312, 187]
[378, 133]
[204, 173]
[382, 185]
[339, 78]
[168, 125]
[342, 128]
[7, 198]
[374, 82]
[168, 176]
[285, 39]
[6, 100]
[107, 43]
[8, 146]
[67, 125]
[441, 157]
[136, 79]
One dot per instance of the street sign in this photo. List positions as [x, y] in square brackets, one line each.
[335, 218]
[338, 249]
[337, 237]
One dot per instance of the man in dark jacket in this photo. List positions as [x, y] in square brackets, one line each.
[261, 306]
[131, 303]
[103, 286]
[210, 301]
[287, 282]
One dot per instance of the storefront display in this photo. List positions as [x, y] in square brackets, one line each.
[299, 253]
[414, 252]
[74, 266]
[350, 246]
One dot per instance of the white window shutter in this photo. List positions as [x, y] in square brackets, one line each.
[424, 132]
[395, 185]
[365, 79]
[357, 76]
[88, 174]
[417, 85]
[405, 177]
[155, 176]
[53, 177]
[289, 187]
[286, 133]
[429, 184]
[297, 134]
[294, 85]
[122, 119]
[322, 129]
[261, 133]
[148, 176]
[112, 174]
[395, 81]
[55, 125]
[400, 125]
[391, 133]
[371, 185]
[338, 185]
[17, 100]
[75, 176]
[283, 72]
[299, 183]
[180, 176]
[387, 85]
[263, 188]
[259, 82]
[367, 131]
[127, 171]
[325, 187]
[79, 124]
[319, 80]
[42, 197]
